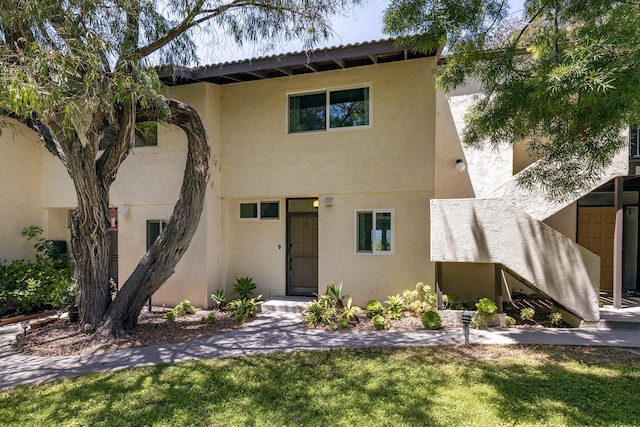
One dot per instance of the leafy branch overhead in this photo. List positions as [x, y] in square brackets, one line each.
[561, 78]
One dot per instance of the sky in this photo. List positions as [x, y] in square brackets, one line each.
[363, 24]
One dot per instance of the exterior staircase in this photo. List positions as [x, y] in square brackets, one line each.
[494, 231]
[503, 226]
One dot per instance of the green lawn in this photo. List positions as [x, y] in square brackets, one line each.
[427, 386]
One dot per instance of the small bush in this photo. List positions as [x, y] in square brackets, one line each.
[244, 308]
[184, 308]
[486, 308]
[555, 318]
[509, 321]
[219, 298]
[209, 320]
[395, 305]
[380, 323]
[431, 320]
[170, 316]
[527, 314]
[373, 308]
[244, 287]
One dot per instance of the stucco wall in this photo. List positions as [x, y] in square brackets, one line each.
[389, 164]
[20, 190]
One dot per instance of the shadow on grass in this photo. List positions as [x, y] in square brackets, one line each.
[435, 386]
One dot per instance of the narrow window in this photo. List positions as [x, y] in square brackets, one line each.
[259, 210]
[374, 232]
[154, 228]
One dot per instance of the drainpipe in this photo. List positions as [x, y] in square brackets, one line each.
[617, 242]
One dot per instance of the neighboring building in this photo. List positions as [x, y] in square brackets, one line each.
[339, 166]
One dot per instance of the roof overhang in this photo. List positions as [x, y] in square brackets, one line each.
[295, 63]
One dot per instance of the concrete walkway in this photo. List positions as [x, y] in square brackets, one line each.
[279, 332]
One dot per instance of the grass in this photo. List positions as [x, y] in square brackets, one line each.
[425, 386]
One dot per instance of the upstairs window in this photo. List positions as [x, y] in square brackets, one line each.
[146, 135]
[329, 110]
[374, 232]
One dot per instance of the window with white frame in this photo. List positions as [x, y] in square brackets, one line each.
[330, 109]
[259, 210]
[374, 231]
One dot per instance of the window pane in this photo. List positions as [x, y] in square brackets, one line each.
[383, 231]
[146, 134]
[307, 112]
[270, 210]
[365, 223]
[153, 231]
[349, 108]
[633, 141]
[248, 210]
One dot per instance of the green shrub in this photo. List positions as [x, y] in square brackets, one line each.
[373, 307]
[184, 308]
[555, 318]
[431, 320]
[170, 316]
[244, 308]
[209, 320]
[219, 298]
[380, 323]
[331, 309]
[478, 321]
[244, 287]
[395, 305]
[486, 308]
[527, 314]
[509, 321]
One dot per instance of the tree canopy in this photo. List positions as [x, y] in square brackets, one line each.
[562, 78]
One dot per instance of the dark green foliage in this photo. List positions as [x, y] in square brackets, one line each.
[244, 287]
[31, 286]
[210, 319]
[431, 320]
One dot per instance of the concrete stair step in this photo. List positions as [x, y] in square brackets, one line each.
[285, 304]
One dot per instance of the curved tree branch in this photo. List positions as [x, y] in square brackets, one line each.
[159, 262]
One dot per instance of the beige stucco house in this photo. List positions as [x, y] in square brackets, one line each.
[344, 165]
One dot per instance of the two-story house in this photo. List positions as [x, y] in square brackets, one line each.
[342, 165]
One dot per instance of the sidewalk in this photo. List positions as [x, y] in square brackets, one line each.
[279, 333]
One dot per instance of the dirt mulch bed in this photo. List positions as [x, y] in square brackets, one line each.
[63, 338]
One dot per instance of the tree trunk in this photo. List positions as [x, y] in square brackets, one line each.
[159, 262]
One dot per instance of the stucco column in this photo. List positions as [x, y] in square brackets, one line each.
[617, 242]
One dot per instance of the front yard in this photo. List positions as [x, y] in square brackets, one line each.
[432, 386]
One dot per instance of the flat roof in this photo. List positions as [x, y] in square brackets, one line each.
[293, 63]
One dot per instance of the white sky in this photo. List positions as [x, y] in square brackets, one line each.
[364, 24]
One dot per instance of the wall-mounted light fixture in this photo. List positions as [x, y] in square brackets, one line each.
[460, 166]
[125, 211]
[315, 203]
[328, 201]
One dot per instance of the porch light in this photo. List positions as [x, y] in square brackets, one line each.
[460, 166]
[113, 214]
[315, 203]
